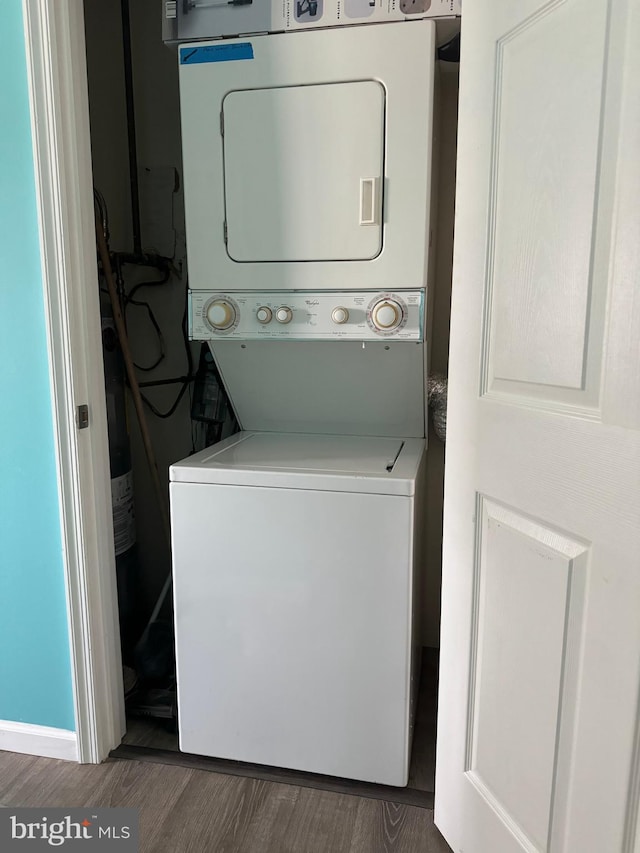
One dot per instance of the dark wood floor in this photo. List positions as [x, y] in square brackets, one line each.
[185, 810]
[155, 735]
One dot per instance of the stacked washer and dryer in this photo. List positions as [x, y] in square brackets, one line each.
[296, 542]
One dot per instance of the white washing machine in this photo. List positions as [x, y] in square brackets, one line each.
[295, 601]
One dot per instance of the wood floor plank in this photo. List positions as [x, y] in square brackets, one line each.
[13, 766]
[152, 789]
[383, 827]
[276, 813]
[322, 822]
[51, 782]
[221, 813]
[248, 822]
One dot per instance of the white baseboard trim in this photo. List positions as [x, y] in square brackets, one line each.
[38, 740]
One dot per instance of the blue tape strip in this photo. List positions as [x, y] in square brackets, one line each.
[216, 53]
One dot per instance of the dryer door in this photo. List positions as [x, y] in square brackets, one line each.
[303, 170]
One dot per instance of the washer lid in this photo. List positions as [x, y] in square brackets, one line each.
[320, 462]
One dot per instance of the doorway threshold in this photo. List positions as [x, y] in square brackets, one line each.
[369, 790]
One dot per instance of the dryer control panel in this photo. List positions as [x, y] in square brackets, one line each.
[354, 315]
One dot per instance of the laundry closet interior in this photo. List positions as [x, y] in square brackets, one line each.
[283, 339]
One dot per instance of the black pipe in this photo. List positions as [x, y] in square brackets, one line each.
[179, 380]
[131, 127]
[144, 259]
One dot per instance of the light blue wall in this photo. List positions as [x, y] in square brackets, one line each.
[35, 675]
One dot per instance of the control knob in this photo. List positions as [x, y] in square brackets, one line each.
[264, 315]
[340, 315]
[221, 314]
[386, 315]
[284, 314]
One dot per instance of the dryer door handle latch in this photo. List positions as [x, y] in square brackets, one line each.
[369, 202]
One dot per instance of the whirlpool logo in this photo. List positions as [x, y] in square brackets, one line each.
[43, 829]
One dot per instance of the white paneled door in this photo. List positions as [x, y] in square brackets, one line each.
[538, 735]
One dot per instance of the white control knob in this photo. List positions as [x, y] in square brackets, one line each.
[264, 315]
[339, 315]
[284, 314]
[221, 314]
[386, 315]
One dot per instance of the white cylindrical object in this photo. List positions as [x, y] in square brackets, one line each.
[264, 314]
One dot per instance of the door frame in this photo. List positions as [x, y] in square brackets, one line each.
[57, 82]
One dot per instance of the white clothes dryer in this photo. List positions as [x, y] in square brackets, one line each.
[307, 158]
[295, 570]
